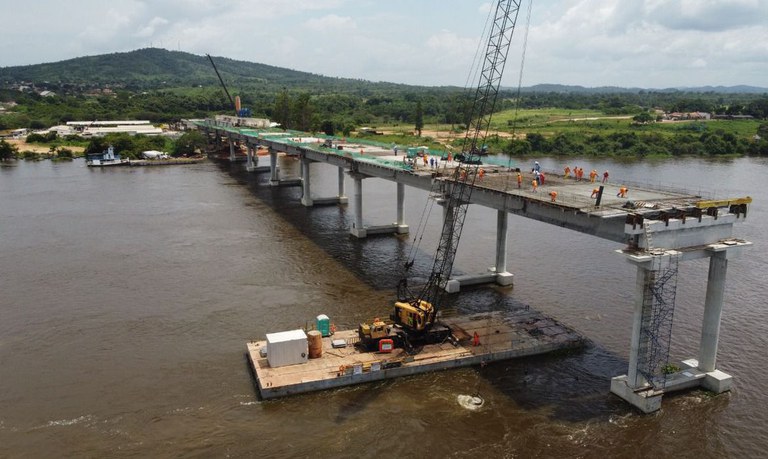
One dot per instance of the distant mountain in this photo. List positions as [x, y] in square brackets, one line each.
[153, 68]
[565, 89]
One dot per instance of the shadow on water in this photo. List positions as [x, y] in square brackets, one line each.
[571, 385]
[376, 260]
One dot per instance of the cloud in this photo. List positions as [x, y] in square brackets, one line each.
[649, 43]
[330, 23]
[149, 29]
[707, 15]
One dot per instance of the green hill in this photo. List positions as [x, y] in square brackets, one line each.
[154, 68]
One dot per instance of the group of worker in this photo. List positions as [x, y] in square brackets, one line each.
[538, 179]
[578, 174]
[621, 194]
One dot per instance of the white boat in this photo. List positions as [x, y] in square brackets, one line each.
[106, 158]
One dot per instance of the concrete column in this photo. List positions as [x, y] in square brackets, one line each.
[231, 150]
[713, 309]
[341, 182]
[306, 198]
[402, 228]
[502, 276]
[634, 379]
[357, 225]
[249, 158]
[501, 241]
[342, 198]
[447, 213]
[274, 178]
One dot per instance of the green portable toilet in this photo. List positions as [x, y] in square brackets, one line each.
[324, 325]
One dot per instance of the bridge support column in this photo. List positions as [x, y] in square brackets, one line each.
[497, 274]
[231, 150]
[306, 198]
[713, 309]
[249, 165]
[402, 228]
[358, 230]
[274, 171]
[651, 287]
[361, 231]
[503, 277]
[342, 198]
[633, 387]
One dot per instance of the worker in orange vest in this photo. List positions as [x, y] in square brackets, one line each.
[593, 175]
[553, 195]
[534, 184]
[519, 180]
[595, 191]
[622, 192]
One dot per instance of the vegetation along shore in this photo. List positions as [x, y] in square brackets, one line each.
[165, 87]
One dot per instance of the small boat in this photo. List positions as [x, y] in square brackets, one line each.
[105, 158]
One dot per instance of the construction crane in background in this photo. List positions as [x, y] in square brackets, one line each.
[239, 111]
[414, 315]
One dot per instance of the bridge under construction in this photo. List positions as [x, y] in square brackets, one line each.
[657, 228]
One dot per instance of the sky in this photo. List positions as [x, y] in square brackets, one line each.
[627, 43]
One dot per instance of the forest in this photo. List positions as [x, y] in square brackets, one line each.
[166, 86]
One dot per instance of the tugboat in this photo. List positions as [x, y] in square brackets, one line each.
[105, 158]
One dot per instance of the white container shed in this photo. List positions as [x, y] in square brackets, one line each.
[287, 348]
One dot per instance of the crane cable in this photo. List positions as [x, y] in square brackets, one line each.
[429, 205]
[476, 397]
[519, 87]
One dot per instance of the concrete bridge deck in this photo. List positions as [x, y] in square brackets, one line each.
[573, 208]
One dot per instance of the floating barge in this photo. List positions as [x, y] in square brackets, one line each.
[163, 162]
[482, 338]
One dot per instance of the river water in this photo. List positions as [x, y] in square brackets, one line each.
[127, 296]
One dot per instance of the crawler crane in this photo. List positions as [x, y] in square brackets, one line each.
[414, 316]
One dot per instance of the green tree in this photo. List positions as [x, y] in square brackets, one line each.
[302, 112]
[643, 118]
[8, 151]
[762, 131]
[189, 143]
[282, 112]
[419, 118]
[517, 147]
[65, 153]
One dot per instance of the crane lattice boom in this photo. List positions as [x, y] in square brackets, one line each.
[460, 188]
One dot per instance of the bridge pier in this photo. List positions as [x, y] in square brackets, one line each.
[497, 273]
[358, 229]
[713, 309]
[400, 226]
[342, 197]
[249, 164]
[274, 170]
[307, 199]
[252, 160]
[636, 387]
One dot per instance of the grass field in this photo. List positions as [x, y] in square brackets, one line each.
[585, 125]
